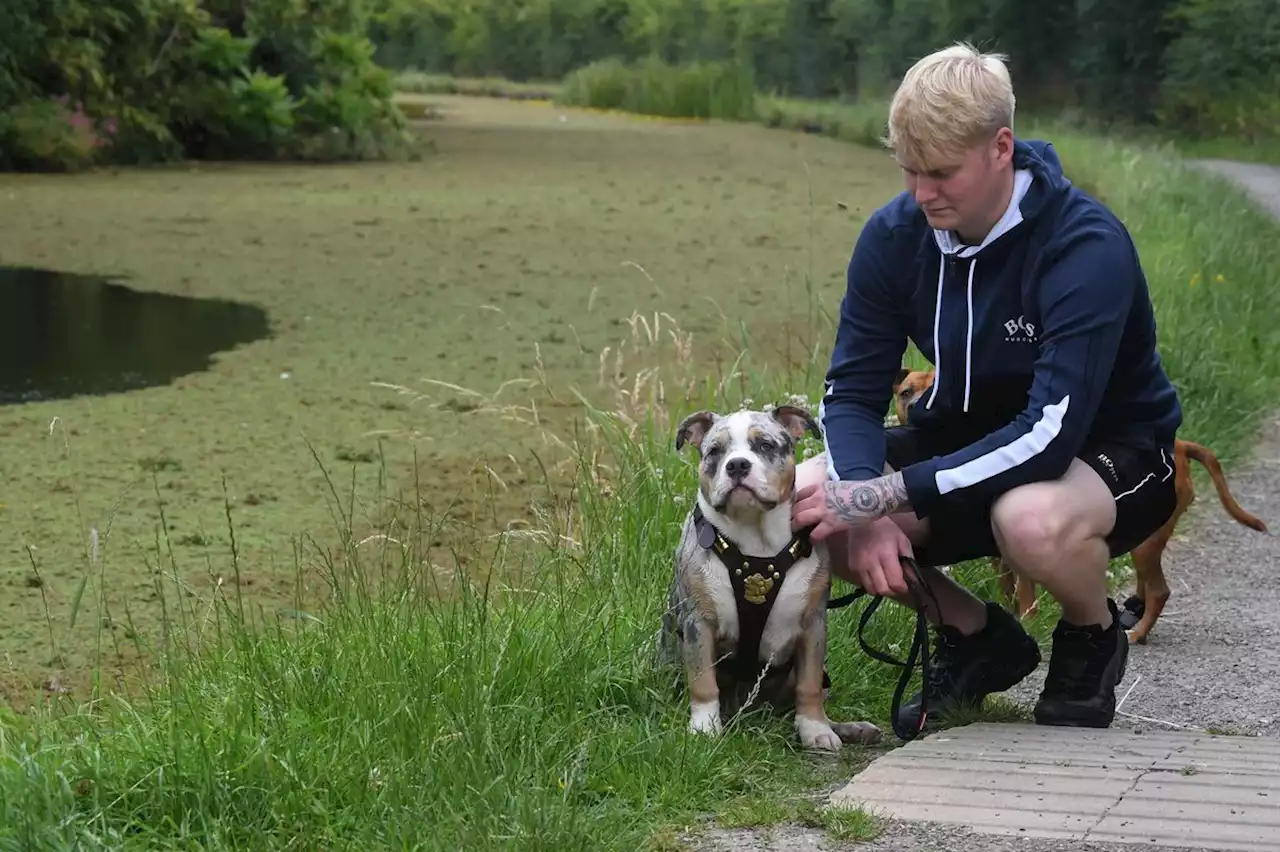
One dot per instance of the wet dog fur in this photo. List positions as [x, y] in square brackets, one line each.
[746, 482]
[1151, 592]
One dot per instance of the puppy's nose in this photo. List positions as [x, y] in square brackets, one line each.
[737, 468]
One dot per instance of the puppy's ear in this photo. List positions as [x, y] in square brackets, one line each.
[694, 428]
[902, 377]
[797, 421]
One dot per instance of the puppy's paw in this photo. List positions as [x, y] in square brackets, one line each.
[704, 718]
[817, 733]
[857, 733]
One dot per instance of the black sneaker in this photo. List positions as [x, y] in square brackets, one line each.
[1085, 667]
[964, 670]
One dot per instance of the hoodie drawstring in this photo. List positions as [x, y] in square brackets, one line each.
[949, 247]
[968, 340]
[937, 350]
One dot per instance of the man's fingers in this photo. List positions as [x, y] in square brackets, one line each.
[874, 581]
[807, 516]
[898, 583]
[891, 569]
[822, 531]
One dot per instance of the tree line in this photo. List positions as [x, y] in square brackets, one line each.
[1198, 67]
[134, 81]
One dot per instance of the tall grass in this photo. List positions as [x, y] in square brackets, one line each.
[520, 707]
[722, 90]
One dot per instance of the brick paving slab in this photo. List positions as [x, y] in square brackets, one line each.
[1170, 789]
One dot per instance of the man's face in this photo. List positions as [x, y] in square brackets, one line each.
[964, 193]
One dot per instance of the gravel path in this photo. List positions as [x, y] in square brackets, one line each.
[1260, 180]
[1212, 661]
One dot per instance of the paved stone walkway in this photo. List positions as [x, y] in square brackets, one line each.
[1156, 787]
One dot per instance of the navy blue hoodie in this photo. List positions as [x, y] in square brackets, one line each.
[1042, 338]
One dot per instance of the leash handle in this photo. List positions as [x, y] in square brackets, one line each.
[918, 655]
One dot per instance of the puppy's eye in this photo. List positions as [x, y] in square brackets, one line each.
[767, 446]
[715, 450]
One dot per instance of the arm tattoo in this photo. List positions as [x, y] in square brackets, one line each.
[875, 498]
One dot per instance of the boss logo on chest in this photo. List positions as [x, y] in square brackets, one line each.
[1019, 331]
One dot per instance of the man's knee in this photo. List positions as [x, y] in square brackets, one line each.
[1028, 523]
[1038, 523]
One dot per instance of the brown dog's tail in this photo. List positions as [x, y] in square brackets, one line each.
[1205, 456]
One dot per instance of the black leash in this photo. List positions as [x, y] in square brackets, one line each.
[919, 653]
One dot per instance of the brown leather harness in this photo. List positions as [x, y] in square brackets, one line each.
[756, 581]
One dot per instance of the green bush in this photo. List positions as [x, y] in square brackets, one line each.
[1223, 73]
[722, 90]
[223, 79]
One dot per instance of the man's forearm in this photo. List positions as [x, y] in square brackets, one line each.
[863, 501]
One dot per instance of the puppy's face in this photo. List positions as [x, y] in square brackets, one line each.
[747, 458]
[909, 387]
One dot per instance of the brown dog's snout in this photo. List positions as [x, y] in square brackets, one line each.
[737, 468]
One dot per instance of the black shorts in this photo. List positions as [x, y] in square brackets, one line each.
[1139, 473]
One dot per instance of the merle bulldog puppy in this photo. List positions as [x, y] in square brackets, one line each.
[747, 606]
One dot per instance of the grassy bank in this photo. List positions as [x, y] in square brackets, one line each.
[526, 712]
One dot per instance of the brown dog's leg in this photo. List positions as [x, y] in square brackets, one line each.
[1151, 587]
[812, 724]
[1019, 590]
[700, 671]
[1028, 603]
[1008, 580]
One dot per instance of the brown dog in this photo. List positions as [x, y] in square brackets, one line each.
[1152, 590]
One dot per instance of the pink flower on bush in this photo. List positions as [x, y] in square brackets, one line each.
[82, 123]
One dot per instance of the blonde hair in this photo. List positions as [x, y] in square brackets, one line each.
[947, 102]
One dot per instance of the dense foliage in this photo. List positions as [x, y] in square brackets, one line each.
[1198, 66]
[128, 81]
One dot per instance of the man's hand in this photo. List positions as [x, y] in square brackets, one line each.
[834, 507]
[875, 559]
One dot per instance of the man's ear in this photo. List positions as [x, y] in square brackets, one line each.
[694, 428]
